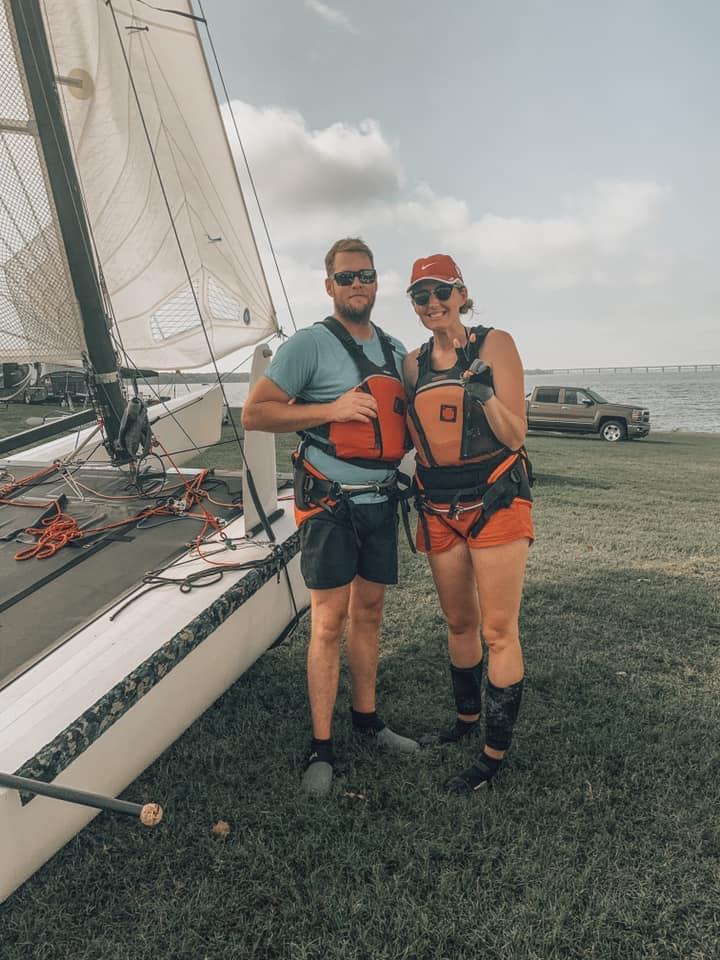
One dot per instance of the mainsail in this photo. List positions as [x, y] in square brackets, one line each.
[39, 315]
[171, 233]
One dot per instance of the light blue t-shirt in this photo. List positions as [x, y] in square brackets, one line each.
[314, 366]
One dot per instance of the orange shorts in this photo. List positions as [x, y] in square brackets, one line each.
[508, 524]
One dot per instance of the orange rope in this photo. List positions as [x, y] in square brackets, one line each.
[59, 529]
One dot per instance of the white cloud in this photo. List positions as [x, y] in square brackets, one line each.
[596, 229]
[551, 279]
[298, 169]
[331, 15]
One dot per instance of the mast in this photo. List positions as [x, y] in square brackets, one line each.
[67, 195]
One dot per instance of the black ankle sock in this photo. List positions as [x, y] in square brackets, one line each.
[492, 763]
[366, 722]
[321, 751]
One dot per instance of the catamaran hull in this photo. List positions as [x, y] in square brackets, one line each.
[182, 426]
[102, 743]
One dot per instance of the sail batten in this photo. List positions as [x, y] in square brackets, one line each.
[168, 220]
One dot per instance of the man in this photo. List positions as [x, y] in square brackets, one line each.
[345, 472]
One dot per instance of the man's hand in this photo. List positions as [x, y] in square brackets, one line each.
[353, 405]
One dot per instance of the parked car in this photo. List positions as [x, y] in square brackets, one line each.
[580, 410]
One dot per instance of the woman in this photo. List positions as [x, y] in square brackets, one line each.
[467, 420]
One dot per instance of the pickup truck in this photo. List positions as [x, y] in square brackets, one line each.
[580, 410]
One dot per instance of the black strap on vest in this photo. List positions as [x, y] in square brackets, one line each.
[469, 353]
[365, 366]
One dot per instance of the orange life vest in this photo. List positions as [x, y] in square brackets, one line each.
[448, 427]
[459, 458]
[384, 441]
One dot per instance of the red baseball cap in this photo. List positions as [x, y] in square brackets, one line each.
[439, 266]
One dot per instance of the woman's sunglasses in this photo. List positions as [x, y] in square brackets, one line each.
[345, 277]
[443, 292]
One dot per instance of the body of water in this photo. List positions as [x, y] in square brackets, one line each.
[676, 400]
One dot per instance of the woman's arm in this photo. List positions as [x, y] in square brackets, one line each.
[505, 411]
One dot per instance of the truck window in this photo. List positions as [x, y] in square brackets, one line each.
[547, 395]
[571, 396]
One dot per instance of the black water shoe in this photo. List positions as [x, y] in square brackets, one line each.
[461, 730]
[480, 776]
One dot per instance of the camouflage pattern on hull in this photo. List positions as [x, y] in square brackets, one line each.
[55, 756]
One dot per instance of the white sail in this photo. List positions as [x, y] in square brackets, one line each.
[127, 199]
[39, 315]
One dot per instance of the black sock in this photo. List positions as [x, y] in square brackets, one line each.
[321, 751]
[369, 723]
[492, 763]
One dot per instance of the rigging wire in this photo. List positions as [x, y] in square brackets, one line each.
[79, 203]
[247, 165]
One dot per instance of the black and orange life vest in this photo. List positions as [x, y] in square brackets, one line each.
[384, 441]
[458, 455]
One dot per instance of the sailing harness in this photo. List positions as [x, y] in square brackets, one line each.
[461, 464]
[381, 443]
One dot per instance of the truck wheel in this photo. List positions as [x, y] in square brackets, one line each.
[612, 431]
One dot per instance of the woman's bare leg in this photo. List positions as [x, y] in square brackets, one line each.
[500, 573]
[454, 578]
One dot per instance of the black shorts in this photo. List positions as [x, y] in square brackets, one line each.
[331, 556]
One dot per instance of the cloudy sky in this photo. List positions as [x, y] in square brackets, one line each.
[565, 152]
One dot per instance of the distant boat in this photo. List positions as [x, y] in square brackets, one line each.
[116, 175]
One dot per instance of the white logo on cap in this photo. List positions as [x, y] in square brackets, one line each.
[427, 265]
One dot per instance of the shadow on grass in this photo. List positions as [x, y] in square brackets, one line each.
[555, 480]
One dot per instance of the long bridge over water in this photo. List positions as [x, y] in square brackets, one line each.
[635, 368]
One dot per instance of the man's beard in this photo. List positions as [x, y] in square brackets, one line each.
[355, 314]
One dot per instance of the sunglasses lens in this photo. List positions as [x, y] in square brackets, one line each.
[422, 297]
[345, 277]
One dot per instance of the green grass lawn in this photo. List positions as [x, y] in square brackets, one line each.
[601, 840]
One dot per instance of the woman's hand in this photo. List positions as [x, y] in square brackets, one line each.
[479, 381]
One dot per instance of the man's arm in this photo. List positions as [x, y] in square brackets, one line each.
[271, 409]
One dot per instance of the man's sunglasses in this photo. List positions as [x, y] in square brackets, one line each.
[345, 277]
[443, 292]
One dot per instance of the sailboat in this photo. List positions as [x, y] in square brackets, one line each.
[134, 590]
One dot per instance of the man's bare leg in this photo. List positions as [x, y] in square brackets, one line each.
[363, 645]
[328, 615]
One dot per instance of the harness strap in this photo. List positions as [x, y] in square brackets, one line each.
[312, 489]
[502, 487]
